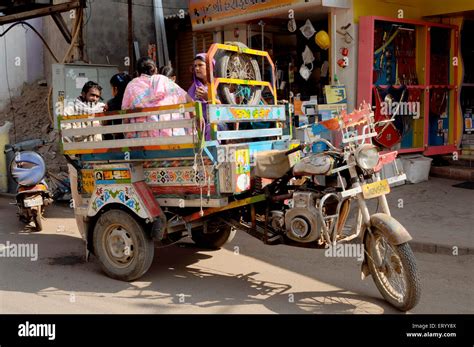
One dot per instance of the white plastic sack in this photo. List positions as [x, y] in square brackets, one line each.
[305, 72]
[307, 29]
[308, 56]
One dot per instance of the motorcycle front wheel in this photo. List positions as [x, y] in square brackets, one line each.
[394, 270]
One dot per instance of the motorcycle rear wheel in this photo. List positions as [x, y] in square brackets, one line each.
[394, 271]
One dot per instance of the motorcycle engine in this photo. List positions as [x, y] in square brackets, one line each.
[302, 222]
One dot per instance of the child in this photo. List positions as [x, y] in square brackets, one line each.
[118, 82]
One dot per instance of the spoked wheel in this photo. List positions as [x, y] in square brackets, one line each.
[238, 66]
[214, 236]
[123, 248]
[394, 271]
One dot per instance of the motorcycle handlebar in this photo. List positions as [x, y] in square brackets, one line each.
[300, 147]
[293, 150]
[28, 145]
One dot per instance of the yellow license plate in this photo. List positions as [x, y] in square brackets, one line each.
[373, 190]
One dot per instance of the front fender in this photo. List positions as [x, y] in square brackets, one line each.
[395, 233]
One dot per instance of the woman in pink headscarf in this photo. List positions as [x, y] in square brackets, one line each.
[151, 90]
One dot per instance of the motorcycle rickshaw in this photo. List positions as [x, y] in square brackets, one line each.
[134, 195]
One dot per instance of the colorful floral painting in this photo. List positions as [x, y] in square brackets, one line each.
[117, 194]
[176, 176]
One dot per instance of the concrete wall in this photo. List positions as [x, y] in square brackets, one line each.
[56, 42]
[172, 7]
[34, 51]
[106, 31]
[21, 53]
[106, 34]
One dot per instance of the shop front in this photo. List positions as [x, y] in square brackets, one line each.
[414, 60]
[298, 36]
[405, 57]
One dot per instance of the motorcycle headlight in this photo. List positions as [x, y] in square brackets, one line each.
[367, 156]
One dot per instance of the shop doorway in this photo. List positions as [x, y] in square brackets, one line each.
[286, 43]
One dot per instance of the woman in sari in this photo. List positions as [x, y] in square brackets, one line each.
[152, 90]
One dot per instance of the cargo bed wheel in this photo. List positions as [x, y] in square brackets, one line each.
[124, 250]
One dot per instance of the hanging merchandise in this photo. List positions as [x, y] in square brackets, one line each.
[292, 25]
[291, 73]
[343, 31]
[343, 62]
[307, 29]
[308, 56]
[388, 101]
[305, 72]
[439, 102]
[322, 39]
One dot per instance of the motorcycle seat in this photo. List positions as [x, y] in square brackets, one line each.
[319, 164]
[271, 164]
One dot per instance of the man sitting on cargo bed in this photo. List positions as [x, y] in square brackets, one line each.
[86, 103]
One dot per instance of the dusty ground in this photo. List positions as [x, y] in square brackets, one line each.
[244, 277]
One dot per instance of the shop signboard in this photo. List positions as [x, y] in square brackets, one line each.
[211, 13]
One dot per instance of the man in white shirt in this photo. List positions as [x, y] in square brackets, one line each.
[87, 103]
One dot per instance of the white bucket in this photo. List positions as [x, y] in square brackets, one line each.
[416, 167]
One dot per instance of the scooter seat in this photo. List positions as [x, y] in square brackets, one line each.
[28, 168]
[319, 164]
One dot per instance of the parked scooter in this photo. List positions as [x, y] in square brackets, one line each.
[28, 169]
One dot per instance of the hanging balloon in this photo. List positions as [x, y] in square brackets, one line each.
[322, 39]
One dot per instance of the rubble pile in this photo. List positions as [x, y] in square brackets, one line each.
[28, 113]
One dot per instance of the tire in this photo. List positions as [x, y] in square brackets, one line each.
[224, 60]
[218, 234]
[124, 250]
[405, 265]
[37, 220]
